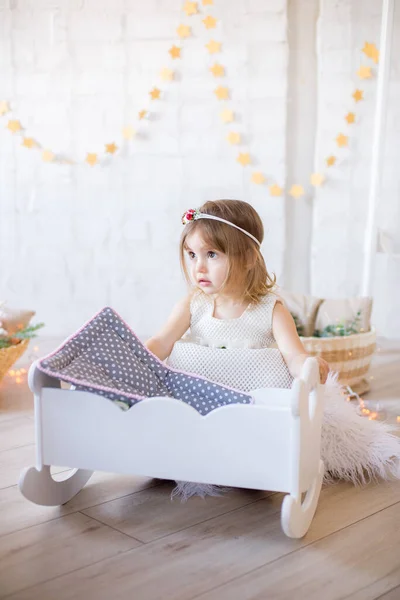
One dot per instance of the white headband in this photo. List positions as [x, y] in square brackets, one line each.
[193, 214]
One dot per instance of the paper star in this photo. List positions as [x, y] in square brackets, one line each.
[227, 115]
[111, 148]
[213, 47]
[167, 74]
[257, 177]
[244, 158]
[217, 70]
[233, 137]
[350, 118]
[371, 51]
[190, 8]
[317, 179]
[208, 2]
[91, 159]
[28, 142]
[342, 140]
[275, 190]
[358, 95]
[222, 93]
[364, 72]
[330, 161]
[155, 93]
[128, 132]
[210, 22]
[175, 51]
[47, 156]
[183, 31]
[142, 114]
[14, 126]
[296, 191]
[4, 107]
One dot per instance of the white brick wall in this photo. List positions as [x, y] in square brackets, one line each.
[74, 238]
[340, 208]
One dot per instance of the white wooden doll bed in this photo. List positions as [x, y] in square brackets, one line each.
[272, 444]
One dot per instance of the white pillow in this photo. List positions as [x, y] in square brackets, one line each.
[305, 308]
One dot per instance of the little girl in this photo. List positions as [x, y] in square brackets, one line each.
[231, 302]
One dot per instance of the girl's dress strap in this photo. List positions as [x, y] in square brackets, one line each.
[199, 306]
[265, 309]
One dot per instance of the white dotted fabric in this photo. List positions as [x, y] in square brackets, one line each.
[105, 357]
[244, 369]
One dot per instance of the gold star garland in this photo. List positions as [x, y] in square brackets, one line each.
[296, 191]
[128, 131]
[371, 51]
[222, 93]
[234, 138]
[28, 142]
[190, 8]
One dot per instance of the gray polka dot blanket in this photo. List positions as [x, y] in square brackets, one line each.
[106, 357]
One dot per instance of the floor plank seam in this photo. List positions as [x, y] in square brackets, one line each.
[82, 509]
[72, 512]
[396, 587]
[131, 537]
[9, 597]
[57, 518]
[16, 484]
[67, 514]
[7, 487]
[2, 535]
[31, 587]
[163, 537]
[150, 487]
[52, 474]
[14, 447]
[189, 526]
[375, 597]
[284, 556]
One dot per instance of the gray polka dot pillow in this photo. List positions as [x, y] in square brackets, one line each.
[106, 357]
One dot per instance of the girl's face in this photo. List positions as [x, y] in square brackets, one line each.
[208, 267]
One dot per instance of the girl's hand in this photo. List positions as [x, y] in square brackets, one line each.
[323, 369]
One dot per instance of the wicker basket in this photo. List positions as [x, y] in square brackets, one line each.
[350, 356]
[8, 356]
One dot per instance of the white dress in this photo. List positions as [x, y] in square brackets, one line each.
[240, 353]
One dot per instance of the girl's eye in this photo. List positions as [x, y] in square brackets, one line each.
[191, 254]
[211, 254]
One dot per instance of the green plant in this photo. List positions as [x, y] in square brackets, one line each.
[27, 332]
[340, 329]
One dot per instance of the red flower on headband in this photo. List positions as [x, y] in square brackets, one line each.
[189, 215]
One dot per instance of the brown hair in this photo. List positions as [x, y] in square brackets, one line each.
[246, 263]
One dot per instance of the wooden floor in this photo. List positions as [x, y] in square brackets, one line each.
[123, 538]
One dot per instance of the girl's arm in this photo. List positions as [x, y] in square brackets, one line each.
[177, 324]
[289, 343]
